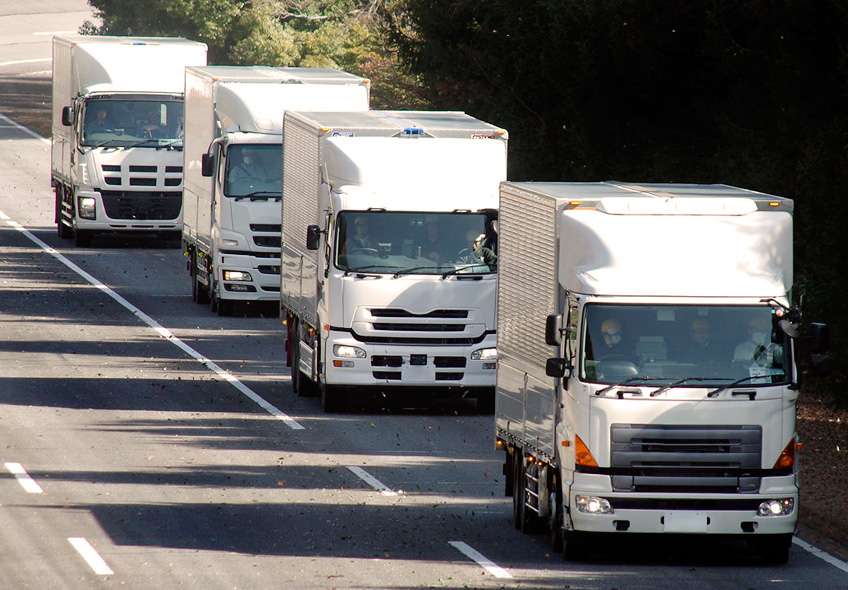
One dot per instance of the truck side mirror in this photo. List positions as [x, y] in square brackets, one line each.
[556, 367]
[67, 116]
[553, 329]
[313, 237]
[207, 164]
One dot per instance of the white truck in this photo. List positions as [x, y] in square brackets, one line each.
[117, 163]
[388, 253]
[649, 360]
[233, 172]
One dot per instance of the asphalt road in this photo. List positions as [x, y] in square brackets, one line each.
[147, 442]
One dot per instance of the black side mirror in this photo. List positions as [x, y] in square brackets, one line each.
[207, 164]
[67, 116]
[313, 237]
[556, 367]
[553, 329]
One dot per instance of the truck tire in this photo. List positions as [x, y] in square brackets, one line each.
[65, 231]
[199, 292]
[773, 549]
[332, 399]
[82, 238]
[575, 545]
[557, 520]
[523, 519]
[302, 385]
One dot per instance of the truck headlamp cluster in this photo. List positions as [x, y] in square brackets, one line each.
[777, 507]
[593, 505]
[350, 352]
[237, 275]
[87, 207]
[489, 355]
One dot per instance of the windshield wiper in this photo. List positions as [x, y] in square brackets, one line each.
[665, 388]
[366, 268]
[407, 271]
[625, 382]
[105, 143]
[259, 196]
[715, 392]
[458, 270]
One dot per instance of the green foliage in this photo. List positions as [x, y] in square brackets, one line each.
[340, 34]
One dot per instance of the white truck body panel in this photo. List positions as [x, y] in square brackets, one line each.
[674, 254]
[237, 108]
[137, 163]
[339, 164]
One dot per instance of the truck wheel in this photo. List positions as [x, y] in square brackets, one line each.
[575, 545]
[302, 385]
[332, 399]
[774, 549]
[65, 231]
[557, 520]
[82, 238]
[486, 402]
[294, 350]
[523, 519]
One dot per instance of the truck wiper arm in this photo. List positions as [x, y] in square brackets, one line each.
[366, 268]
[407, 271]
[454, 271]
[715, 392]
[625, 382]
[259, 196]
[665, 388]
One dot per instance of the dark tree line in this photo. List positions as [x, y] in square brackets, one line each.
[745, 92]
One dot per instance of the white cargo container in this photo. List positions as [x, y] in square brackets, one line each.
[117, 163]
[233, 171]
[385, 284]
[648, 361]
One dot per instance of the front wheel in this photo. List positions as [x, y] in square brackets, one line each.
[773, 549]
[332, 399]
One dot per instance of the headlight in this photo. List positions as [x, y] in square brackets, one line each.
[485, 354]
[237, 275]
[87, 207]
[593, 505]
[777, 507]
[350, 352]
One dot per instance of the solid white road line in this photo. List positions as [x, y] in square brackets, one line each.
[162, 331]
[92, 558]
[23, 478]
[372, 481]
[475, 555]
[827, 557]
[22, 128]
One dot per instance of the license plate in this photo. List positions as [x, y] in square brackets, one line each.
[685, 522]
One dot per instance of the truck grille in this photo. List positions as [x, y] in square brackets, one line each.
[437, 327]
[142, 175]
[142, 205]
[685, 459]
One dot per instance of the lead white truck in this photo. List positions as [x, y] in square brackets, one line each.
[117, 163]
[233, 172]
[649, 361]
[388, 253]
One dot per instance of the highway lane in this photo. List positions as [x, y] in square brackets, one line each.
[176, 477]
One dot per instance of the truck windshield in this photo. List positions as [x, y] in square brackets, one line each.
[254, 171]
[696, 346]
[128, 123]
[404, 243]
